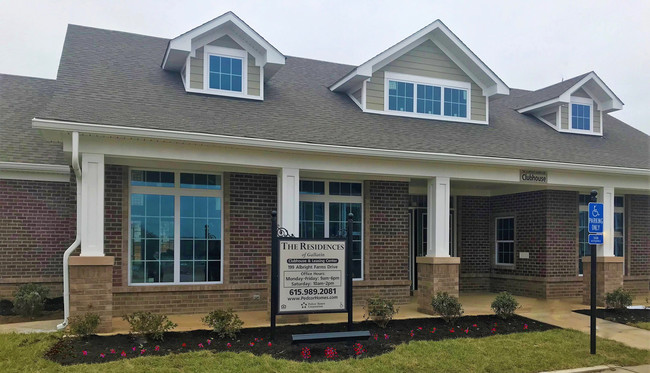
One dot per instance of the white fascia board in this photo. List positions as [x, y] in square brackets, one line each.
[34, 171]
[182, 136]
[390, 54]
[184, 42]
[541, 105]
[614, 103]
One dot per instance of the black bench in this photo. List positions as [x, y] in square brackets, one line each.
[329, 337]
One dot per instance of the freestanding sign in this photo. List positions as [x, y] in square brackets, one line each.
[596, 218]
[312, 276]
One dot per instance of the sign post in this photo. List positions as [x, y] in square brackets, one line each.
[596, 221]
[310, 275]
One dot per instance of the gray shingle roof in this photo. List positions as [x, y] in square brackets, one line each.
[547, 93]
[20, 99]
[109, 77]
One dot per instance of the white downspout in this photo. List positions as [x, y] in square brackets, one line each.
[77, 240]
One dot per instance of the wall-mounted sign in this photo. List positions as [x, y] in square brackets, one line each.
[533, 176]
[312, 276]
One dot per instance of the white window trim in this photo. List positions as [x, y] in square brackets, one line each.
[442, 83]
[177, 192]
[621, 210]
[326, 199]
[497, 241]
[582, 101]
[212, 50]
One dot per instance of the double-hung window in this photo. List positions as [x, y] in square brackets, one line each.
[324, 209]
[225, 69]
[427, 96]
[581, 114]
[505, 240]
[175, 228]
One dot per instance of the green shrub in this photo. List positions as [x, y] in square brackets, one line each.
[29, 300]
[152, 326]
[618, 299]
[6, 307]
[225, 323]
[381, 311]
[447, 306]
[85, 325]
[504, 305]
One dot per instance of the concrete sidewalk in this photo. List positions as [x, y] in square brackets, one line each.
[606, 368]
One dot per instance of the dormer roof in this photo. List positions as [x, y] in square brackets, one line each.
[447, 41]
[561, 93]
[227, 24]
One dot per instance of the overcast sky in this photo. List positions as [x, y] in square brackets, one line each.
[528, 44]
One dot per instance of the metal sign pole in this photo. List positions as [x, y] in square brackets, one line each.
[593, 288]
[274, 270]
[348, 271]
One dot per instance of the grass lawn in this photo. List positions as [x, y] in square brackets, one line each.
[521, 352]
[642, 325]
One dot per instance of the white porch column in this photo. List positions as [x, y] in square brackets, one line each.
[289, 200]
[438, 193]
[606, 197]
[92, 205]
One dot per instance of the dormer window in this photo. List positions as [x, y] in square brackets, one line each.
[426, 97]
[224, 69]
[581, 117]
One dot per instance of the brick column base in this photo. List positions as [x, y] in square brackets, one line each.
[91, 288]
[609, 277]
[436, 275]
[281, 319]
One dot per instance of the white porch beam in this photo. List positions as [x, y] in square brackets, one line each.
[92, 205]
[438, 193]
[288, 199]
[606, 197]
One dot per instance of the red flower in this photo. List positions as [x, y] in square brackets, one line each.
[228, 345]
[157, 348]
[142, 351]
[84, 352]
[270, 344]
[183, 345]
[306, 353]
[452, 330]
[525, 326]
[358, 349]
[385, 336]
[112, 350]
[134, 347]
[474, 325]
[252, 344]
[123, 354]
[419, 328]
[433, 330]
[200, 345]
[102, 355]
[411, 333]
[494, 330]
[209, 341]
[376, 336]
[466, 330]
[330, 353]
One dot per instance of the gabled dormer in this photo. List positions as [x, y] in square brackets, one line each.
[575, 105]
[223, 57]
[430, 75]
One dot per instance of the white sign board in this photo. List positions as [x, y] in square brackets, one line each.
[312, 276]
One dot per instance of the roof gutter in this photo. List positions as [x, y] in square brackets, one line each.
[77, 240]
[110, 130]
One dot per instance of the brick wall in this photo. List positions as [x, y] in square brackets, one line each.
[561, 233]
[545, 227]
[639, 235]
[638, 244]
[115, 186]
[473, 223]
[529, 211]
[37, 224]
[252, 198]
[388, 227]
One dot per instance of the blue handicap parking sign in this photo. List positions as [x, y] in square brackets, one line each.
[595, 239]
[596, 217]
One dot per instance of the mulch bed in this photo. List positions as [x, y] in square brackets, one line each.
[99, 349]
[626, 316]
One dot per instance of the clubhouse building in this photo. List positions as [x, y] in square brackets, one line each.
[143, 177]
